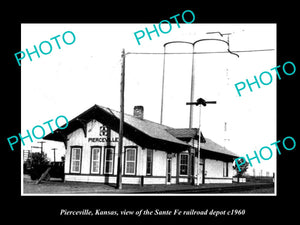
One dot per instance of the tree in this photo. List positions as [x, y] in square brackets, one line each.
[38, 158]
[241, 169]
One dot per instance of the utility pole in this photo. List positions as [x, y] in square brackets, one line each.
[42, 142]
[54, 149]
[162, 87]
[120, 147]
[192, 90]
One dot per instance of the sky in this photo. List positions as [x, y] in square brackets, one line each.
[72, 79]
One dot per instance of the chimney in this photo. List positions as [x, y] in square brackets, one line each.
[138, 111]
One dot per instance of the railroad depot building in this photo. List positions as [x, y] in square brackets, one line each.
[152, 153]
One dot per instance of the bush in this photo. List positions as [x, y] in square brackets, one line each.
[39, 163]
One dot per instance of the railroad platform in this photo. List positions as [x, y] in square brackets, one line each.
[58, 187]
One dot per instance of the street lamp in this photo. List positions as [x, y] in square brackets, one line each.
[200, 101]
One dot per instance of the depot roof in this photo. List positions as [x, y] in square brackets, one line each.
[206, 143]
[143, 132]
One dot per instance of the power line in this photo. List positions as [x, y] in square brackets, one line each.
[186, 53]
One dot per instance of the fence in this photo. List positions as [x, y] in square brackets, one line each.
[254, 179]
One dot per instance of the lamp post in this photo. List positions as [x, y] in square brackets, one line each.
[200, 101]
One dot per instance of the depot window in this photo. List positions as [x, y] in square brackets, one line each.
[130, 161]
[108, 160]
[76, 159]
[95, 160]
[183, 164]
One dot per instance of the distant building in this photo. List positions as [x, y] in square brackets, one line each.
[152, 153]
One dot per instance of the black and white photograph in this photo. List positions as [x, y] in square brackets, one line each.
[190, 100]
[150, 115]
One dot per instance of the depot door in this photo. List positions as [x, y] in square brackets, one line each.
[192, 170]
[169, 170]
[201, 172]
